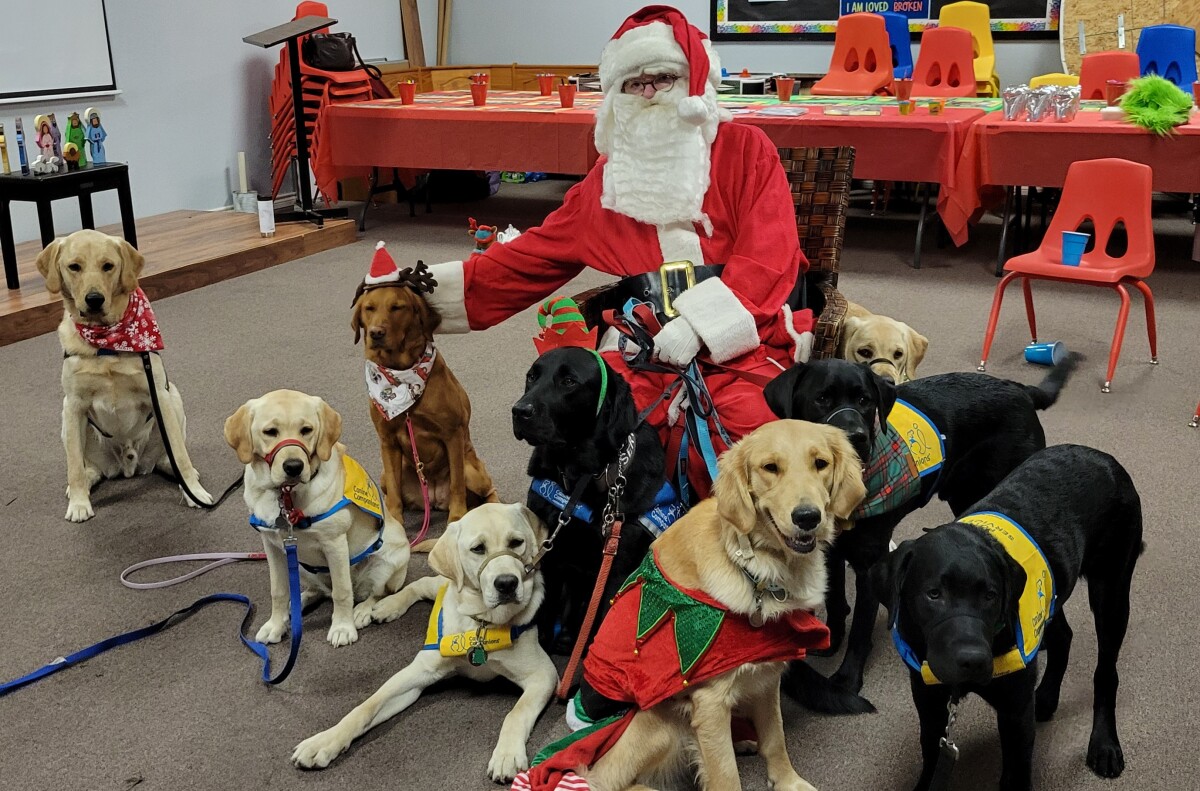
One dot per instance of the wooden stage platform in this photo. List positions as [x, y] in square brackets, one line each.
[184, 250]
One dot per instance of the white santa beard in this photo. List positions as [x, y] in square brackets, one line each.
[658, 164]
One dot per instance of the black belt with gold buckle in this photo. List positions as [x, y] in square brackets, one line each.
[662, 287]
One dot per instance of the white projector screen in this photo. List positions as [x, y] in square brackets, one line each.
[35, 61]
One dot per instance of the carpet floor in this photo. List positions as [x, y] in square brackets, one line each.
[186, 709]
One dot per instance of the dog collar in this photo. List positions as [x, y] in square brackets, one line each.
[136, 331]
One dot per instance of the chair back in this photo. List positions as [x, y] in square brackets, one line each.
[1097, 68]
[1054, 78]
[1107, 192]
[862, 58]
[1169, 51]
[900, 43]
[819, 180]
[944, 64]
[312, 8]
[975, 18]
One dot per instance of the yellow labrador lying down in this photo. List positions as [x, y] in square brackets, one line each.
[108, 427]
[701, 632]
[483, 596]
[349, 547]
[891, 348]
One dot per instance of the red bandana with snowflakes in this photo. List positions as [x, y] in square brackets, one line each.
[137, 331]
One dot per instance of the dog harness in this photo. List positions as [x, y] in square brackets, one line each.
[395, 392]
[487, 639]
[358, 490]
[667, 508]
[136, 331]
[907, 448]
[1037, 605]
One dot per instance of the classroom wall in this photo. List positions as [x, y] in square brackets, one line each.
[575, 31]
[192, 96]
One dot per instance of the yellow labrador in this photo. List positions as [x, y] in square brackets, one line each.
[483, 591]
[891, 348]
[289, 443]
[781, 493]
[108, 428]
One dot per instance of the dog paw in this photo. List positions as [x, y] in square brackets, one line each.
[746, 747]
[80, 511]
[271, 632]
[1105, 757]
[316, 752]
[200, 492]
[389, 609]
[341, 634]
[363, 612]
[506, 763]
[793, 783]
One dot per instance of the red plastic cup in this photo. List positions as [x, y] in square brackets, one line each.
[479, 93]
[783, 88]
[1196, 92]
[904, 89]
[546, 83]
[481, 78]
[566, 95]
[408, 92]
[1114, 90]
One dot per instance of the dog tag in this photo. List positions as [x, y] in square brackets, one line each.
[756, 617]
[477, 656]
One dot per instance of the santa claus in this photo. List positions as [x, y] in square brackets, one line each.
[676, 182]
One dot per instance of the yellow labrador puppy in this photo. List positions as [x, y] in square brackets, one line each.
[108, 427]
[891, 348]
[350, 548]
[482, 626]
[755, 550]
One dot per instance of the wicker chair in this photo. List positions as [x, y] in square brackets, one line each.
[820, 182]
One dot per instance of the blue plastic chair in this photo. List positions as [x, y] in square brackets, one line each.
[901, 44]
[1169, 51]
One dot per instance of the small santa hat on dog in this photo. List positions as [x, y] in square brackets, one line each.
[659, 39]
[562, 325]
[383, 268]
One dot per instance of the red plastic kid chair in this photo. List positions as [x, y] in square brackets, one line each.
[1098, 68]
[945, 64]
[1107, 192]
[862, 58]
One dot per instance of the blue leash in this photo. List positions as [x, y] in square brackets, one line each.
[293, 563]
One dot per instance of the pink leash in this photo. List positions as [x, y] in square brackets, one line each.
[412, 439]
[219, 559]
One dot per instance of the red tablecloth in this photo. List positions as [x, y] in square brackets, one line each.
[519, 130]
[1020, 153]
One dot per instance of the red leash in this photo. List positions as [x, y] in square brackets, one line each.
[412, 440]
[581, 639]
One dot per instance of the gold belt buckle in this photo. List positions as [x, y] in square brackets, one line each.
[689, 276]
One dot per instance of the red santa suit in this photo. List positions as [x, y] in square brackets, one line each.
[698, 189]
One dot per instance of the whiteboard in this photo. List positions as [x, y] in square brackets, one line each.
[34, 64]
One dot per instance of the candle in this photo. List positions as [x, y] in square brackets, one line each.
[242, 172]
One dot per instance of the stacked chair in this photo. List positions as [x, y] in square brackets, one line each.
[900, 42]
[318, 89]
[1097, 68]
[975, 18]
[862, 59]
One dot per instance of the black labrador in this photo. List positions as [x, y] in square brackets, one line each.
[577, 435]
[954, 595]
[990, 426]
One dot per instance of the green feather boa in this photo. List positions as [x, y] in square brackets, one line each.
[1157, 104]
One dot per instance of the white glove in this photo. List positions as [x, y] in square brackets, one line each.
[676, 343]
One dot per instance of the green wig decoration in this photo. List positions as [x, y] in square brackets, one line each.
[1157, 104]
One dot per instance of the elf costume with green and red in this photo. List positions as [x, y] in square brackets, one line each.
[656, 640]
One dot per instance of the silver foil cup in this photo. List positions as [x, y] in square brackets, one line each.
[1039, 102]
[1066, 102]
[1015, 101]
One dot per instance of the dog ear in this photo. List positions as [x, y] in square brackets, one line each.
[237, 433]
[850, 326]
[918, 344]
[443, 558]
[132, 263]
[848, 488]
[887, 576]
[331, 431]
[47, 264]
[1014, 586]
[618, 413]
[356, 319]
[885, 393]
[779, 391]
[540, 531]
[431, 318]
[735, 501]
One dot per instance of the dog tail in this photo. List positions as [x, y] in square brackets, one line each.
[815, 692]
[1046, 393]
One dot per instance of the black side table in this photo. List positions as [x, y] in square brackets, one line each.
[42, 189]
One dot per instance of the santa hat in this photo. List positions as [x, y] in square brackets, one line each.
[562, 325]
[383, 268]
[659, 39]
